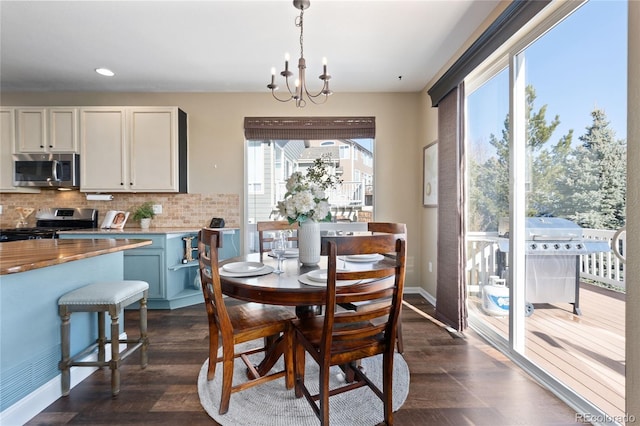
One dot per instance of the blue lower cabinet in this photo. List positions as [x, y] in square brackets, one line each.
[165, 264]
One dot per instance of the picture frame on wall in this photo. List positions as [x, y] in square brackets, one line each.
[430, 175]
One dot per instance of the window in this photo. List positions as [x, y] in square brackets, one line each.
[345, 151]
[255, 174]
[271, 162]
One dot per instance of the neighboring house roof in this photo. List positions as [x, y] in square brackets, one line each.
[314, 152]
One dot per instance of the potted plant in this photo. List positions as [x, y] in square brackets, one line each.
[144, 214]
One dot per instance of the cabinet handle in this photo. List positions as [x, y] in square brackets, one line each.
[122, 183]
[50, 146]
[41, 146]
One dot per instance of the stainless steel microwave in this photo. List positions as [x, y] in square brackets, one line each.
[46, 170]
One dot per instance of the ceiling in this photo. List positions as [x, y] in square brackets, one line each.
[229, 46]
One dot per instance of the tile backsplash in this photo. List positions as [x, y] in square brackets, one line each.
[178, 210]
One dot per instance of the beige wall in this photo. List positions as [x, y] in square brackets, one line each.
[216, 143]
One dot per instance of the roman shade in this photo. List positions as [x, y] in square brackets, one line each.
[305, 128]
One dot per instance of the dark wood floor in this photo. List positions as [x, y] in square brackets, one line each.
[454, 380]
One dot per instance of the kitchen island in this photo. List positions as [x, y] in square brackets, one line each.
[33, 276]
[169, 264]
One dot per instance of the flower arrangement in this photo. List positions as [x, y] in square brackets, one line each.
[305, 198]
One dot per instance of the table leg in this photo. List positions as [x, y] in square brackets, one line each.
[308, 311]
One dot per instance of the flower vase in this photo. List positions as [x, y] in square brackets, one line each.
[145, 223]
[309, 242]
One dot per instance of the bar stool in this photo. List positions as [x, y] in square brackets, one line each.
[103, 297]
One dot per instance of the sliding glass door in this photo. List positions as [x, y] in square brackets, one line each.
[546, 185]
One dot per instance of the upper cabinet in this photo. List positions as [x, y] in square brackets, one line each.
[47, 130]
[7, 146]
[133, 149]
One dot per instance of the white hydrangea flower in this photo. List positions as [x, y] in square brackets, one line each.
[321, 210]
[305, 197]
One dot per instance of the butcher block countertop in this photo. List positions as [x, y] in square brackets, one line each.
[22, 256]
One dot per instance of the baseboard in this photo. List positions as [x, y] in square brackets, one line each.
[422, 292]
[32, 404]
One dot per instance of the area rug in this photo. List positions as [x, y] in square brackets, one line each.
[272, 404]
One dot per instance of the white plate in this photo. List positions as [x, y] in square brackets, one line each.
[364, 258]
[242, 267]
[263, 271]
[304, 279]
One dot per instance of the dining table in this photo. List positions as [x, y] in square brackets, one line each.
[294, 286]
[251, 278]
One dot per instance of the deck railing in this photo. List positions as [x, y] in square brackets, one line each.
[605, 267]
[348, 193]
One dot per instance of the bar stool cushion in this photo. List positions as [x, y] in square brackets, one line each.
[104, 293]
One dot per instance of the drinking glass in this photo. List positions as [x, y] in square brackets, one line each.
[279, 248]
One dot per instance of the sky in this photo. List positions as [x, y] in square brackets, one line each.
[577, 66]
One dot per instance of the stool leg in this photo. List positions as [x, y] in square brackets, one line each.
[143, 332]
[65, 345]
[115, 353]
[101, 337]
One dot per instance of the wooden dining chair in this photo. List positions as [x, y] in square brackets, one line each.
[240, 323]
[345, 337]
[399, 230]
[264, 238]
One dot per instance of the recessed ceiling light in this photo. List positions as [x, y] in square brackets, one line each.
[105, 71]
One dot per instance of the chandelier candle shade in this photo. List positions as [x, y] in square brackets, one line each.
[300, 90]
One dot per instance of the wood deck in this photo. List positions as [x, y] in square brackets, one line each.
[585, 352]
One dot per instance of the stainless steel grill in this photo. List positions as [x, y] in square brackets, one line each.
[553, 249]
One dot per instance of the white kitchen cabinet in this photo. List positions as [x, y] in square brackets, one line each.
[102, 149]
[144, 149]
[47, 130]
[154, 149]
[7, 145]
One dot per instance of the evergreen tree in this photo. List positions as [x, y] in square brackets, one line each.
[545, 169]
[595, 180]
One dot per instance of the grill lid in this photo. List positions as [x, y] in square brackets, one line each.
[555, 236]
[552, 229]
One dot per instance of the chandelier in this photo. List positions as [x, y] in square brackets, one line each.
[300, 90]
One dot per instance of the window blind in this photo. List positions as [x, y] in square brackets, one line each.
[304, 128]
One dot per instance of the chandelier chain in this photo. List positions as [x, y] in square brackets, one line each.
[300, 23]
